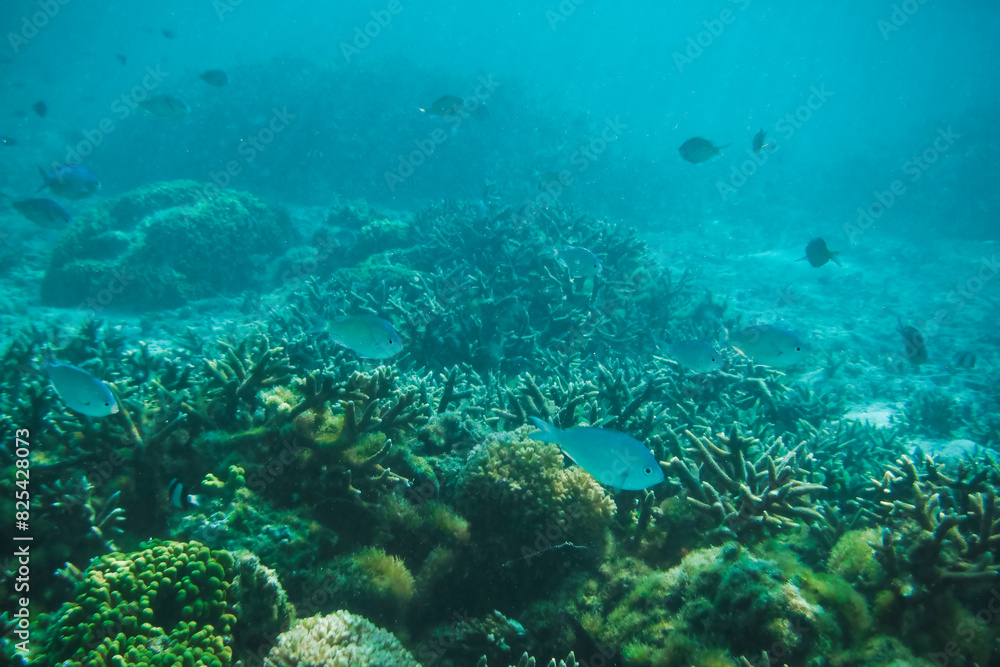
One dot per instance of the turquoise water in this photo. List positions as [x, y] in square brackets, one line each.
[287, 288]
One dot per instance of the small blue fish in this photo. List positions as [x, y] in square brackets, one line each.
[611, 457]
[71, 181]
[368, 336]
[81, 391]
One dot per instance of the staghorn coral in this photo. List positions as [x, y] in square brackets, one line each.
[163, 605]
[744, 486]
[340, 639]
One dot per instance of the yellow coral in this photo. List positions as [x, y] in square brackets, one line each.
[388, 574]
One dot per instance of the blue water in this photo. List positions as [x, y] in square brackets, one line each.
[881, 137]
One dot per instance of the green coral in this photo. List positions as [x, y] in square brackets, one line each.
[163, 245]
[853, 557]
[163, 605]
[718, 599]
[339, 639]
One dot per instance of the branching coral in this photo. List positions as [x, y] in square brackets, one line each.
[744, 486]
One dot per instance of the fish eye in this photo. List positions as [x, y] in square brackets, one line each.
[649, 471]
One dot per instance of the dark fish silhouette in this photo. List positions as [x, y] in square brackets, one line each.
[7, 141]
[915, 345]
[448, 105]
[71, 181]
[818, 254]
[122, 59]
[41, 108]
[43, 212]
[758, 141]
[166, 106]
[168, 33]
[698, 150]
[214, 77]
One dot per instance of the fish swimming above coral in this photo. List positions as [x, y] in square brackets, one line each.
[72, 181]
[43, 212]
[80, 391]
[611, 457]
[697, 150]
[695, 355]
[915, 345]
[580, 262]
[368, 336]
[770, 345]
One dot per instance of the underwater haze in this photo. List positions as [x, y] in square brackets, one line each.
[433, 333]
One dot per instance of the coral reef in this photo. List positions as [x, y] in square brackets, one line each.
[163, 605]
[163, 245]
[340, 638]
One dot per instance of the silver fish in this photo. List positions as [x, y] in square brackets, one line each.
[695, 355]
[81, 391]
[770, 345]
[611, 457]
[368, 336]
[580, 262]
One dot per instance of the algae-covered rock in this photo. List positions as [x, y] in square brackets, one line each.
[163, 245]
[163, 605]
[340, 638]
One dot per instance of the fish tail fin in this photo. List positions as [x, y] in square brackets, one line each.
[546, 431]
[833, 258]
